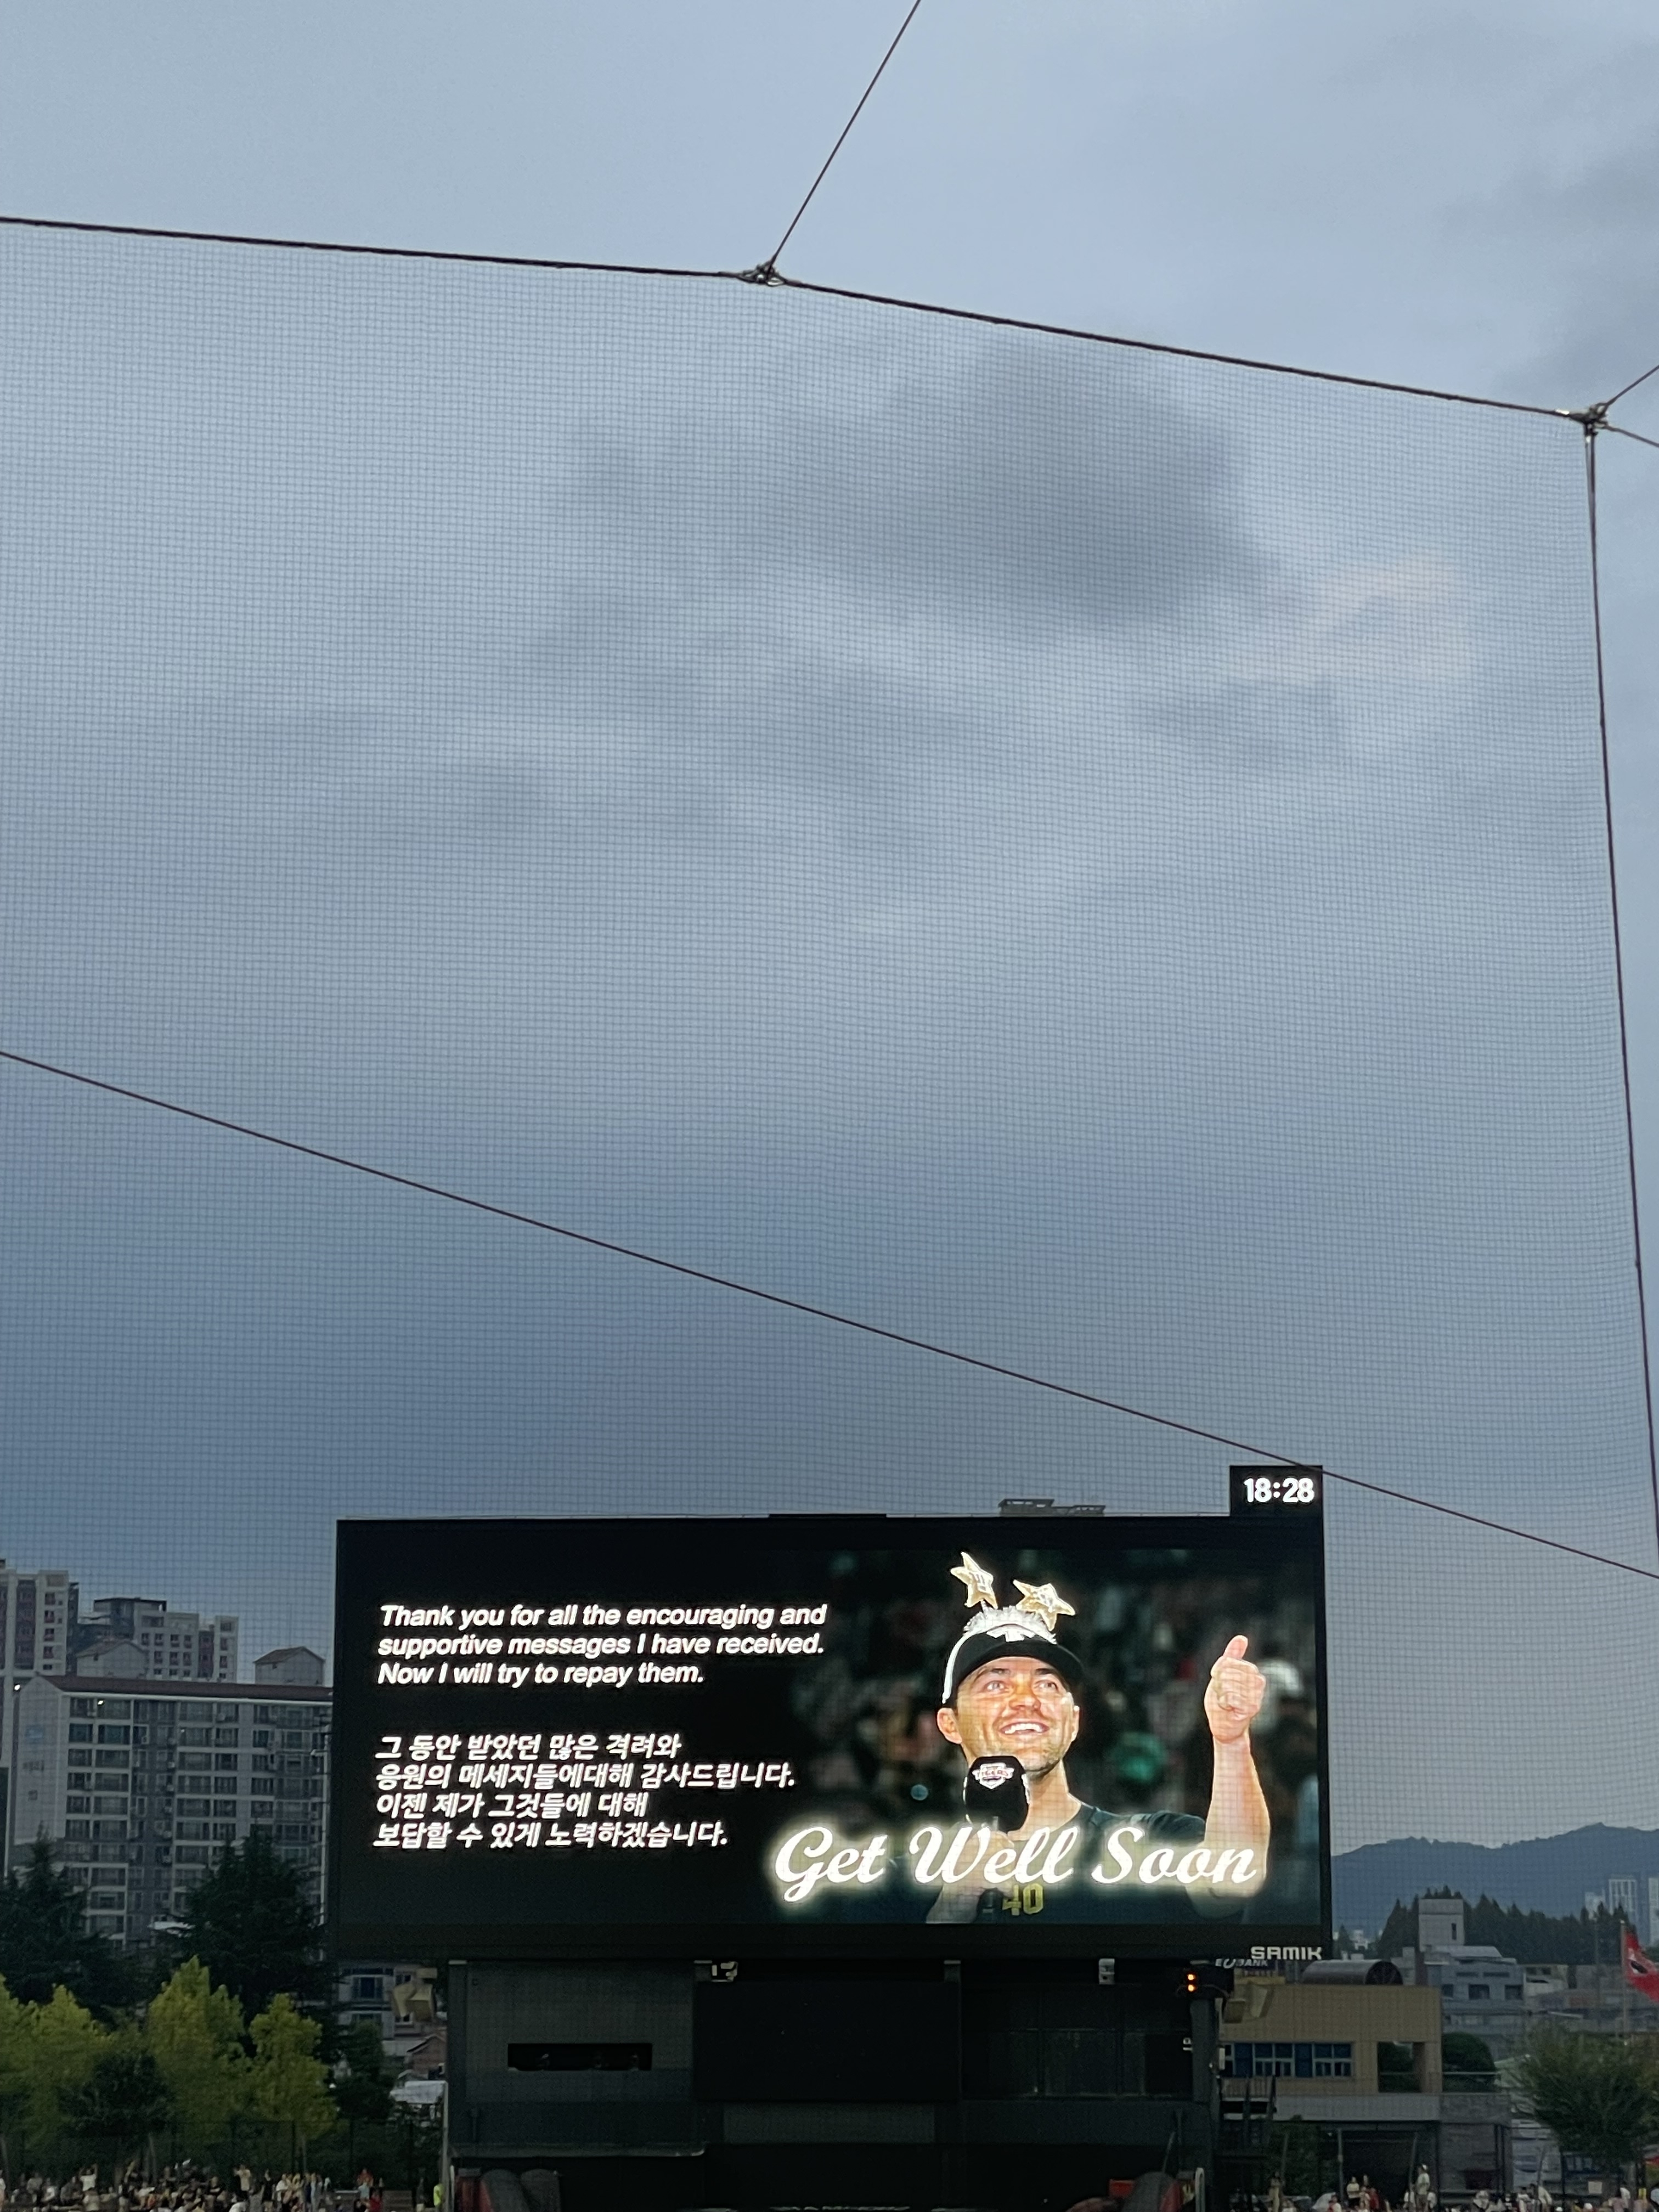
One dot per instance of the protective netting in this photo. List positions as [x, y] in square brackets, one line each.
[1094, 857]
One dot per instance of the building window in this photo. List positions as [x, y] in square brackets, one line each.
[1302, 2062]
[1478, 1989]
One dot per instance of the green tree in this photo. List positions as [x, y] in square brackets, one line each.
[1295, 2158]
[362, 2083]
[194, 2034]
[1467, 2063]
[414, 2146]
[1396, 2066]
[251, 1925]
[1598, 2095]
[16, 2078]
[1533, 1939]
[45, 1941]
[123, 2101]
[65, 2043]
[289, 2083]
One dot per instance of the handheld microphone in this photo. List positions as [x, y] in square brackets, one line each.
[995, 1788]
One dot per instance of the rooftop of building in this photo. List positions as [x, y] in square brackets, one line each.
[154, 1688]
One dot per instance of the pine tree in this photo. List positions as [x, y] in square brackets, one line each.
[363, 2086]
[45, 1941]
[1530, 1938]
[251, 1925]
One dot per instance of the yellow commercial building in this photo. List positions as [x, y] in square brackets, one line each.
[1312, 2052]
[1323, 2036]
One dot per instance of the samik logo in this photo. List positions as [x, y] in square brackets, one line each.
[1269, 1954]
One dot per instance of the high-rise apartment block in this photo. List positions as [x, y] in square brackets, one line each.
[138, 1786]
[36, 1631]
[43, 1632]
[173, 1647]
[1621, 1896]
[38, 1619]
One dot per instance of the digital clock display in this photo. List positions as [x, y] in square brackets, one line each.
[1260, 1486]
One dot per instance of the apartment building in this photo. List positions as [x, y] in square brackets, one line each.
[137, 1785]
[38, 1619]
[172, 1646]
[38, 1615]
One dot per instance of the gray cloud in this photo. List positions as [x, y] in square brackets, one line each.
[1095, 861]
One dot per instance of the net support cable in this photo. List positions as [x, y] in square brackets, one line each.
[803, 1306]
[766, 271]
[1593, 423]
[975, 315]
[1625, 389]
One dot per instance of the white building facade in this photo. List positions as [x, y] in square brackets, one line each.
[36, 1631]
[138, 1786]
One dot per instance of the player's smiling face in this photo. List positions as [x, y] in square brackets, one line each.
[1019, 1705]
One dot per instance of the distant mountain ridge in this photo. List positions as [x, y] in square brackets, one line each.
[1546, 1874]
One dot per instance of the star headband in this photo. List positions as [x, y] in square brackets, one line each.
[997, 1631]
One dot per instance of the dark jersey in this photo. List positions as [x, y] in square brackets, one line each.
[1080, 1899]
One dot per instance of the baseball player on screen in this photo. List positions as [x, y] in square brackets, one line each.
[1010, 1701]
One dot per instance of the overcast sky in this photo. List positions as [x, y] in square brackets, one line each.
[1092, 859]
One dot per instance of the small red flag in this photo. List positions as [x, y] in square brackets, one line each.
[1639, 1970]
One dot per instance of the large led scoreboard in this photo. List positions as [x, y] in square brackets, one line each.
[923, 1738]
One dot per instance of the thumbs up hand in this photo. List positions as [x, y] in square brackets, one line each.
[1234, 1696]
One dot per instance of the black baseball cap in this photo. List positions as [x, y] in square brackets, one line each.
[1014, 1641]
